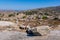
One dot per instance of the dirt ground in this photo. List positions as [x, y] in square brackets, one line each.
[14, 34]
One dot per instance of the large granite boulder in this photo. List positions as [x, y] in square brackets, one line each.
[33, 32]
[41, 30]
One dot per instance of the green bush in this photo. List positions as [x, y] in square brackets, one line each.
[28, 13]
[17, 13]
[24, 17]
[46, 13]
[44, 17]
[10, 15]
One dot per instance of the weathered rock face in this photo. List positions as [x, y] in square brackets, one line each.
[33, 32]
[6, 25]
[43, 30]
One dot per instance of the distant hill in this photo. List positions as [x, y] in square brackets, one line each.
[50, 10]
[55, 8]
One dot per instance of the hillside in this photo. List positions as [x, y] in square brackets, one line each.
[50, 10]
[33, 16]
[44, 22]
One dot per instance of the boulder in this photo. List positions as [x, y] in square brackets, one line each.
[33, 32]
[22, 27]
[43, 30]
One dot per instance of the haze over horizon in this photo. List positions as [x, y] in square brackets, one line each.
[27, 4]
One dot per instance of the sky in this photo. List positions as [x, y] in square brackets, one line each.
[27, 4]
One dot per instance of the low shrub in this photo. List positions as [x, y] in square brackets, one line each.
[10, 15]
[44, 17]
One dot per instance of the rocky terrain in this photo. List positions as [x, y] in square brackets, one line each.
[14, 23]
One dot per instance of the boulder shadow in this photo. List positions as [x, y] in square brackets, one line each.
[34, 34]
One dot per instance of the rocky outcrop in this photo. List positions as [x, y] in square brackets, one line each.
[43, 30]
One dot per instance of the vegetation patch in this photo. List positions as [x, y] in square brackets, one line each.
[10, 15]
[44, 17]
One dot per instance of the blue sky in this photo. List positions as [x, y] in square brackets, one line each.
[27, 4]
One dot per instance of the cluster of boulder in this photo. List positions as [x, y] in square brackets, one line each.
[36, 31]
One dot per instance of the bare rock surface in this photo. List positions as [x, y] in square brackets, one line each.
[14, 35]
[54, 35]
[6, 23]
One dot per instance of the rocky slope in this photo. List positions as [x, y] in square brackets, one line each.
[35, 18]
